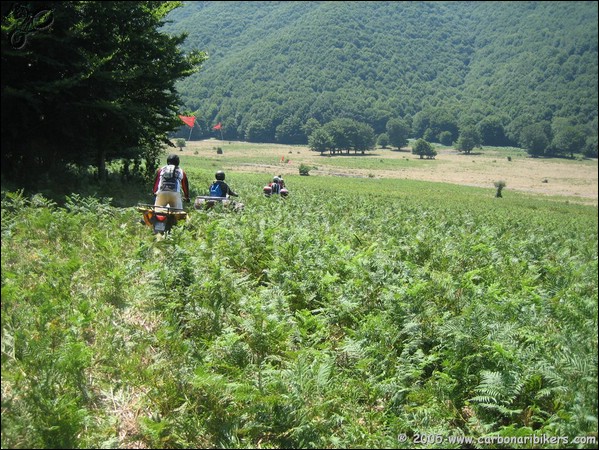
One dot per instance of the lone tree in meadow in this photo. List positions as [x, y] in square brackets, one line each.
[424, 149]
[383, 140]
[469, 139]
[398, 132]
[180, 142]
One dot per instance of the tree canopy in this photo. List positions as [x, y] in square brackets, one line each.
[341, 135]
[95, 83]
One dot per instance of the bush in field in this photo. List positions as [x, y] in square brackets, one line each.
[423, 148]
[499, 185]
[304, 169]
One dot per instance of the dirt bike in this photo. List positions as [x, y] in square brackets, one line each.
[161, 218]
[207, 202]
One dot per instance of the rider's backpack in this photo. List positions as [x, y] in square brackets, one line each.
[169, 179]
[216, 190]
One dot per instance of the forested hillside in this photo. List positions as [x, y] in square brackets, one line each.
[88, 84]
[442, 66]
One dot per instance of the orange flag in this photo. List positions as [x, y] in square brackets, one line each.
[189, 120]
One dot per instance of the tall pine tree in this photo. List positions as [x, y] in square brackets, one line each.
[85, 83]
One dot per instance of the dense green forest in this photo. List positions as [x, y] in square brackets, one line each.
[442, 66]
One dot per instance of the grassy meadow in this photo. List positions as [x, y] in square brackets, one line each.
[360, 312]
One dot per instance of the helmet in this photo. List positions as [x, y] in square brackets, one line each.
[172, 159]
[220, 175]
[275, 179]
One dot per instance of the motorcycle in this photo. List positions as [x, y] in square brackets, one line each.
[161, 218]
[268, 191]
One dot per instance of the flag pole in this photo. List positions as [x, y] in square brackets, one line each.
[219, 127]
[183, 118]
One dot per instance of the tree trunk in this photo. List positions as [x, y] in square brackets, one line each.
[102, 164]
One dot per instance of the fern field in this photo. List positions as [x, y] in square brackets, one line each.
[353, 320]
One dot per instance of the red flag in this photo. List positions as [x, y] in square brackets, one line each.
[189, 120]
[218, 126]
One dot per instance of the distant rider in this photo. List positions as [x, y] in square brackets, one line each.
[281, 182]
[219, 188]
[275, 186]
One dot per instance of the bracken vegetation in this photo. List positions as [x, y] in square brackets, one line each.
[350, 320]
